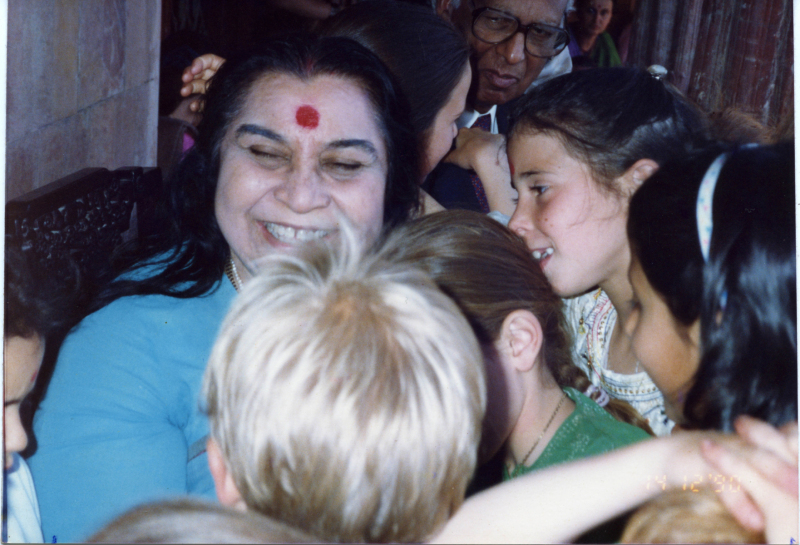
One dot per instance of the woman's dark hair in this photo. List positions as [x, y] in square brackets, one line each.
[745, 295]
[489, 272]
[193, 253]
[35, 304]
[609, 118]
[423, 51]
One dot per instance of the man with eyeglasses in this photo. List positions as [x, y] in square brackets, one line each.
[513, 43]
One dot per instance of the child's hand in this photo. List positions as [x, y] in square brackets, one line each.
[485, 153]
[782, 442]
[196, 77]
[768, 474]
[475, 146]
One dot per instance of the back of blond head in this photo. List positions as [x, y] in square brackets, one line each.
[687, 516]
[346, 395]
[188, 520]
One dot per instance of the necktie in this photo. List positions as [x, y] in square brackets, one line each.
[484, 122]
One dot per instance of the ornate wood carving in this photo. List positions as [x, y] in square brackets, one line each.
[80, 219]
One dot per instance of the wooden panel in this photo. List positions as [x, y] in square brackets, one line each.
[721, 53]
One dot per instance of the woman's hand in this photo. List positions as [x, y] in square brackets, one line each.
[196, 77]
[768, 474]
[485, 153]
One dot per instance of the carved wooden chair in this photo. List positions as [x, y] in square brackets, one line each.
[79, 220]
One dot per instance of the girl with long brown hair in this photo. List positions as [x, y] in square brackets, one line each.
[540, 404]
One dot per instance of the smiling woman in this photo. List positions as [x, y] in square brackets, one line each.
[295, 163]
[296, 138]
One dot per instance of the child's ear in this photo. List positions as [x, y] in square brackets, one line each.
[638, 173]
[522, 337]
[227, 491]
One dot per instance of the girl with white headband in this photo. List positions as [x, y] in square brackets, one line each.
[713, 273]
[715, 323]
[579, 146]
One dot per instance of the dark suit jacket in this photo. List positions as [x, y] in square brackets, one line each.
[451, 185]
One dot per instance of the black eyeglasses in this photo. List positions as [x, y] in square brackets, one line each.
[494, 26]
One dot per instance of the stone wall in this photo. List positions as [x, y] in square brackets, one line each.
[82, 87]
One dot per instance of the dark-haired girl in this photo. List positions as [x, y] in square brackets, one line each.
[714, 321]
[580, 145]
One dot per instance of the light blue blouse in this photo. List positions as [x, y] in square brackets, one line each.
[121, 423]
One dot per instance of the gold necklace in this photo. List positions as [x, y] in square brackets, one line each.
[233, 274]
[547, 426]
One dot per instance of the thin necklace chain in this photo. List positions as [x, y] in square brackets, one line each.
[547, 426]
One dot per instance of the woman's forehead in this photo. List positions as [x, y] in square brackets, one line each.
[319, 104]
[280, 90]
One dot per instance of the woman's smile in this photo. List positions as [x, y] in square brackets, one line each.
[293, 235]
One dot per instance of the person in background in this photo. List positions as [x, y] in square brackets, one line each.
[734, 126]
[430, 61]
[514, 44]
[312, 9]
[177, 123]
[590, 45]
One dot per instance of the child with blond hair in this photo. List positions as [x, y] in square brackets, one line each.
[345, 397]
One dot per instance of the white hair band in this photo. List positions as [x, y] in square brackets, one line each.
[705, 199]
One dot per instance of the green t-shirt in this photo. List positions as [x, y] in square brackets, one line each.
[588, 431]
[604, 53]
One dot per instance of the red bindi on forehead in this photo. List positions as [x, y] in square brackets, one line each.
[511, 166]
[307, 117]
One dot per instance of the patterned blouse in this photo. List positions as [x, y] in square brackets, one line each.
[592, 318]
